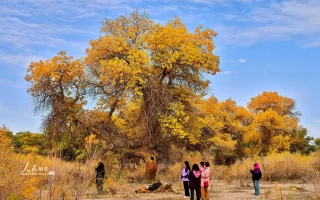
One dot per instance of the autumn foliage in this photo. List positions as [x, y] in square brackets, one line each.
[150, 93]
[146, 81]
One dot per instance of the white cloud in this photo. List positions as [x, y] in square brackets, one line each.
[18, 60]
[9, 83]
[17, 33]
[68, 8]
[33, 30]
[223, 1]
[228, 72]
[240, 60]
[313, 42]
[155, 10]
[279, 21]
[48, 23]
[54, 24]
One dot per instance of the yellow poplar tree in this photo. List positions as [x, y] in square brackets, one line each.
[273, 124]
[150, 70]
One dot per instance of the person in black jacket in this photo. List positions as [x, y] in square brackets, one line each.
[256, 176]
[194, 181]
[100, 172]
[155, 186]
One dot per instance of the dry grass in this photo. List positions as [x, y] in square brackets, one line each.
[12, 183]
[111, 186]
[70, 180]
[74, 179]
[275, 167]
[312, 176]
[279, 193]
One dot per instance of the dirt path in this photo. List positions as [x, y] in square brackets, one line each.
[221, 190]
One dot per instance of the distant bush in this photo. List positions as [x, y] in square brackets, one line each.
[274, 167]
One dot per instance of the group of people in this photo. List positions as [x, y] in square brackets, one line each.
[196, 180]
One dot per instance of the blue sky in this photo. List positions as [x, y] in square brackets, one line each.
[264, 45]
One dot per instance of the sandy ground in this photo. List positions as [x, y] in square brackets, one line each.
[223, 190]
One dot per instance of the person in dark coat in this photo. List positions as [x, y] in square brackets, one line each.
[256, 176]
[155, 186]
[100, 172]
[195, 181]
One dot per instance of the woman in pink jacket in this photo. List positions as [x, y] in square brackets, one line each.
[205, 176]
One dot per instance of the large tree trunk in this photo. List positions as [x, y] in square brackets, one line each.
[151, 169]
[150, 161]
[144, 153]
